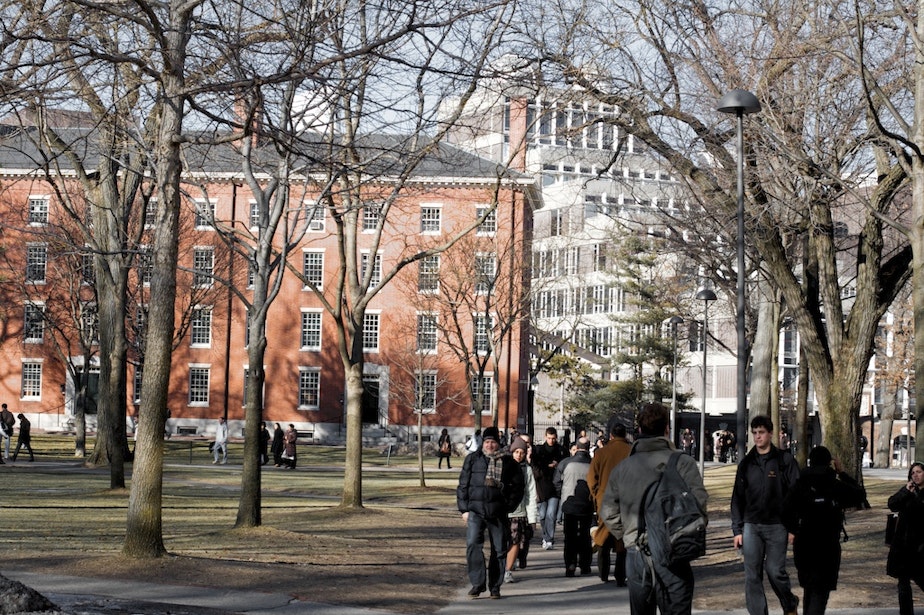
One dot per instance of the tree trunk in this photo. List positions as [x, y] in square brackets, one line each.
[800, 430]
[420, 455]
[764, 368]
[353, 470]
[883, 444]
[250, 506]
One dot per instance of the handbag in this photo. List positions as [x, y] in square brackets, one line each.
[891, 524]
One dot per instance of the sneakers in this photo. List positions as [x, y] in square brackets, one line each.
[474, 592]
[569, 571]
[547, 545]
[495, 594]
[508, 577]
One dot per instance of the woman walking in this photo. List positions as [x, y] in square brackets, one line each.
[906, 555]
[445, 450]
[288, 453]
[278, 445]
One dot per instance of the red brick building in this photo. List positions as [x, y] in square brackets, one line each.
[43, 272]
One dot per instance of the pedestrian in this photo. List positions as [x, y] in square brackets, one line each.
[289, 454]
[616, 449]
[221, 442]
[445, 450]
[473, 444]
[524, 516]
[686, 441]
[906, 553]
[7, 423]
[651, 584]
[278, 445]
[813, 511]
[491, 485]
[764, 477]
[577, 507]
[264, 443]
[25, 437]
[546, 457]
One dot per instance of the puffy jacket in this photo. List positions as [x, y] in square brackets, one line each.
[906, 555]
[472, 495]
[571, 482]
[543, 456]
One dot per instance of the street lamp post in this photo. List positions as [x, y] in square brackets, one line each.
[740, 102]
[705, 295]
[674, 322]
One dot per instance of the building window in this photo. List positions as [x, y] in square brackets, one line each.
[311, 331]
[483, 385]
[599, 257]
[372, 212]
[572, 260]
[199, 385]
[145, 265]
[205, 214]
[489, 224]
[428, 274]
[87, 270]
[34, 323]
[371, 332]
[557, 222]
[425, 392]
[38, 210]
[309, 387]
[316, 222]
[203, 267]
[430, 219]
[31, 380]
[485, 273]
[150, 213]
[254, 215]
[313, 269]
[483, 325]
[376, 278]
[201, 327]
[136, 384]
[36, 263]
[89, 322]
[426, 332]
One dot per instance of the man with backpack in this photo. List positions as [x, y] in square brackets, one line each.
[653, 584]
[577, 508]
[764, 477]
[814, 512]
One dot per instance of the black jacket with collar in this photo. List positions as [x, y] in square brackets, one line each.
[761, 484]
[472, 495]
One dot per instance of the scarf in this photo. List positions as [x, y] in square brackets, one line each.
[492, 477]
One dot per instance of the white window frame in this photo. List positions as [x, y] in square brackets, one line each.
[317, 223]
[31, 325]
[376, 278]
[196, 387]
[319, 282]
[203, 277]
[425, 273]
[488, 227]
[427, 332]
[428, 402]
[482, 328]
[36, 258]
[431, 219]
[311, 327]
[205, 214]
[372, 323]
[200, 327]
[309, 388]
[32, 375]
[487, 400]
[39, 208]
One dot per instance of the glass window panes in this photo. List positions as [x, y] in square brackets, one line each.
[38, 210]
[309, 387]
[31, 380]
[313, 268]
[371, 332]
[199, 385]
[311, 331]
[430, 219]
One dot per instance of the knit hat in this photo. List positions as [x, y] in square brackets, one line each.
[819, 457]
[518, 444]
[490, 433]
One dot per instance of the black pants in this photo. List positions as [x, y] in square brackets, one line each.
[578, 548]
[905, 598]
[28, 446]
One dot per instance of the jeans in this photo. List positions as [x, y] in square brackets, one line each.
[578, 549]
[653, 588]
[498, 531]
[6, 447]
[548, 513]
[764, 545]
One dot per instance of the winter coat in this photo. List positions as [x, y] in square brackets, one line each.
[542, 458]
[278, 441]
[472, 495]
[813, 511]
[529, 504]
[601, 465]
[906, 555]
[571, 482]
[761, 484]
[629, 480]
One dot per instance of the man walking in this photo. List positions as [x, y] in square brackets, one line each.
[602, 464]
[25, 437]
[577, 508]
[652, 586]
[491, 485]
[764, 477]
[221, 442]
[7, 421]
[546, 457]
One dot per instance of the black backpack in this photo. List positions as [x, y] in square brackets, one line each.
[822, 513]
[671, 523]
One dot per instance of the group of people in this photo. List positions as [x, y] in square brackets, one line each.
[282, 445]
[8, 428]
[774, 503]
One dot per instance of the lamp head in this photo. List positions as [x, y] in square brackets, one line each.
[706, 294]
[739, 102]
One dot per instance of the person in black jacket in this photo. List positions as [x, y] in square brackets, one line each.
[545, 459]
[813, 511]
[906, 555]
[764, 477]
[491, 485]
